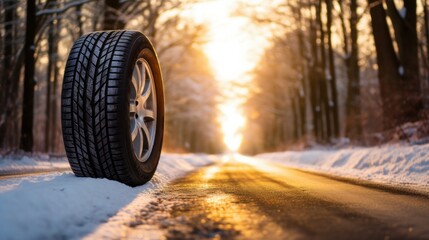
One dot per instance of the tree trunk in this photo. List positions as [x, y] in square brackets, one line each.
[54, 103]
[332, 73]
[426, 57]
[294, 99]
[388, 65]
[304, 76]
[51, 81]
[324, 97]
[112, 13]
[26, 143]
[399, 78]
[51, 40]
[353, 104]
[314, 82]
[426, 16]
[405, 27]
[6, 82]
[79, 19]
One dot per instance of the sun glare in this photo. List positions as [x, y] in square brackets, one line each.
[233, 48]
[232, 122]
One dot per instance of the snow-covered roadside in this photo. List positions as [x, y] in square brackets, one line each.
[393, 164]
[60, 205]
[32, 163]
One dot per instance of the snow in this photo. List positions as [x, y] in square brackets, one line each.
[393, 164]
[32, 163]
[60, 205]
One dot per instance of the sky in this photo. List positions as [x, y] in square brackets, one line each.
[234, 46]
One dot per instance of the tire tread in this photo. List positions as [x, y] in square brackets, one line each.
[86, 98]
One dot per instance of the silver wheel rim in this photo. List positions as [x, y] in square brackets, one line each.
[142, 110]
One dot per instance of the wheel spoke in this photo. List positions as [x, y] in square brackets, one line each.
[142, 77]
[135, 131]
[146, 93]
[140, 151]
[143, 90]
[147, 135]
[135, 84]
[133, 107]
[138, 77]
[149, 114]
[143, 72]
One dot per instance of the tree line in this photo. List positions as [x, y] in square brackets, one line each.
[338, 69]
[35, 38]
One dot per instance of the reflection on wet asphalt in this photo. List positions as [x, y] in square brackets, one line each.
[199, 207]
[240, 199]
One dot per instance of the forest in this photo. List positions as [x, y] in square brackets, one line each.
[339, 73]
[36, 37]
[334, 72]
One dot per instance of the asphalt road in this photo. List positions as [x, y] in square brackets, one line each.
[244, 199]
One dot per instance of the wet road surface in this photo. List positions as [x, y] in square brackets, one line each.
[242, 199]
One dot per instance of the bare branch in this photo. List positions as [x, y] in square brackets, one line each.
[63, 9]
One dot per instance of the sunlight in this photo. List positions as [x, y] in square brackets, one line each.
[230, 51]
[211, 172]
[233, 48]
[232, 123]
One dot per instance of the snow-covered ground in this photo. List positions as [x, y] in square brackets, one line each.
[394, 164]
[60, 205]
[32, 163]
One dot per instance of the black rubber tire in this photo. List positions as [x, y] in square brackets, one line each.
[95, 106]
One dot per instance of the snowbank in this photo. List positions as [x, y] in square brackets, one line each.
[60, 205]
[387, 164]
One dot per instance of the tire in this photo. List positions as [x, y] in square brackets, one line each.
[112, 125]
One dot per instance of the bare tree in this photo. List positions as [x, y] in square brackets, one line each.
[29, 83]
[6, 83]
[351, 51]
[112, 15]
[398, 74]
[333, 106]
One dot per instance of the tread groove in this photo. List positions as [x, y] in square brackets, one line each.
[85, 98]
[97, 158]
